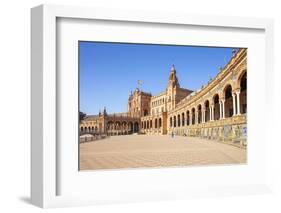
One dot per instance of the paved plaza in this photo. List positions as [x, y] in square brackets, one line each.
[139, 151]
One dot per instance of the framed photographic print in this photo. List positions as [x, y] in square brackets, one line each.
[149, 106]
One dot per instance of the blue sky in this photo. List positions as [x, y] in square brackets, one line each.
[109, 71]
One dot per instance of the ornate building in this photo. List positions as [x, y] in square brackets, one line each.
[215, 111]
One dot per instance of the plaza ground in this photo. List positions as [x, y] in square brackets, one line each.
[139, 151]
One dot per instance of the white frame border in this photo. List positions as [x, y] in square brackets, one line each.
[43, 90]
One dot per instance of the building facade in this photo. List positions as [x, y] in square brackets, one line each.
[216, 111]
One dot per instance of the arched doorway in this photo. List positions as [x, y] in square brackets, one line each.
[199, 113]
[130, 127]
[155, 123]
[228, 105]
[182, 118]
[179, 120]
[160, 122]
[207, 111]
[216, 107]
[175, 121]
[136, 127]
[171, 121]
[193, 116]
[187, 118]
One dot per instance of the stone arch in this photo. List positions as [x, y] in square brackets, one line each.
[187, 118]
[155, 123]
[228, 105]
[179, 120]
[136, 127]
[130, 127]
[216, 102]
[171, 121]
[160, 122]
[175, 121]
[193, 116]
[199, 113]
[243, 92]
[207, 110]
[81, 129]
[150, 124]
[182, 119]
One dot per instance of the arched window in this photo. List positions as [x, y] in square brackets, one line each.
[182, 118]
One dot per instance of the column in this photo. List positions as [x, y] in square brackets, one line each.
[223, 112]
[210, 113]
[196, 117]
[203, 115]
[234, 104]
[220, 109]
[238, 102]
[190, 118]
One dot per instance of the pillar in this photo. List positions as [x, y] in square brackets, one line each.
[210, 113]
[203, 115]
[238, 102]
[223, 108]
[220, 109]
[234, 104]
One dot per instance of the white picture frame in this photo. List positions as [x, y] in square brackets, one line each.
[45, 153]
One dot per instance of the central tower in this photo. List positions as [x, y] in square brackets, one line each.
[171, 89]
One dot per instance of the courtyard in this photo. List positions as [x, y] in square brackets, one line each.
[140, 151]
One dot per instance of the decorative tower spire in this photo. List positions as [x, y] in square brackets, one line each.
[173, 80]
[104, 111]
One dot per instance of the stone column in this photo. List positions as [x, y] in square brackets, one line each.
[203, 115]
[196, 117]
[190, 118]
[210, 113]
[223, 112]
[234, 104]
[220, 109]
[238, 102]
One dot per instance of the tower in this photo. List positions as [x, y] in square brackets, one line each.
[171, 89]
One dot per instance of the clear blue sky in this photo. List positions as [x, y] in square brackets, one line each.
[109, 71]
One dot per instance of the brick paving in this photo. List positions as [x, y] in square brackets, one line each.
[139, 151]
